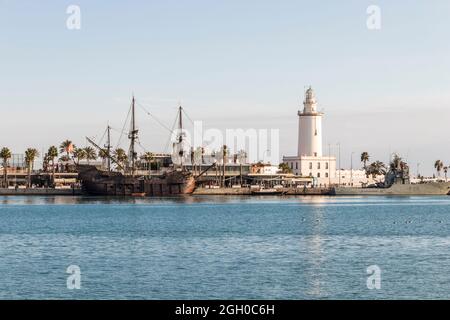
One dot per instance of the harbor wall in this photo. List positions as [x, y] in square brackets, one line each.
[434, 188]
[198, 191]
[40, 192]
[248, 191]
[222, 191]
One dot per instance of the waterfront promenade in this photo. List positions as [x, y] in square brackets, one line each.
[198, 191]
[248, 191]
[40, 192]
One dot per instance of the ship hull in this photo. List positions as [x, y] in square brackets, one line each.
[424, 189]
[101, 183]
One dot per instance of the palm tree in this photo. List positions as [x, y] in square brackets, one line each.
[192, 155]
[284, 167]
[397, 163]
[90, 154]
[121, 156]
[79, 154]
[242, 156]
[45, 162]
[5, 154]
[30, 156]
[365, 158]
[196, 162]
[224, 160]
[438, 165]
[375, 169]
[64, 158]
[203, 155]
[68, 147]
[148, 157]
[103, 154]
[52, 153]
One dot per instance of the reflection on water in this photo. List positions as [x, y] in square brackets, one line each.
[187, 199]
[67, 200]
[191, 199]
[316, 257]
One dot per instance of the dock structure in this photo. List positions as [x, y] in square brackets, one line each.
[20, 178]
[249, 191]
[41, 183]
[232, 179]
[40, 192]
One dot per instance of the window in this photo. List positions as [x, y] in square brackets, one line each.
[326, 174]
[326, 165]
[292, 165]
[310, 165]
[310, 174]
[315, 154]
[296, 165]
[318, 175]
[318, 165]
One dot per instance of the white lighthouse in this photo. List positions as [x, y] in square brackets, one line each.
[310, 161]
[310, 127]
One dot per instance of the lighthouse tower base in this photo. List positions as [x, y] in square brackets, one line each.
[322, 169]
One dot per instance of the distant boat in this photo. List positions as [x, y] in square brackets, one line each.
[105, 183]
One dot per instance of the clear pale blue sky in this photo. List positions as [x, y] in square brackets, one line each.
[232, 64]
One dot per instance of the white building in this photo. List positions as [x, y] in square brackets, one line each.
[265, 169]
[355, 178]
[310, 160]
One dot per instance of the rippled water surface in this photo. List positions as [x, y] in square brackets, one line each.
[225, 247]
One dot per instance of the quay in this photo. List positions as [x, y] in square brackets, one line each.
[248, 191]
[40, 192]
[198, 191]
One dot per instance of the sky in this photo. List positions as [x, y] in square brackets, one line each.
[231, 64]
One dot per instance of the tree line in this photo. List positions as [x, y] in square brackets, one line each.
[67, 152]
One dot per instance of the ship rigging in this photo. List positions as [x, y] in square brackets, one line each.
[127, 181]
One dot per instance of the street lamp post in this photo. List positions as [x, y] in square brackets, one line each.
[329, 165]
[351, 169]
[339, 163]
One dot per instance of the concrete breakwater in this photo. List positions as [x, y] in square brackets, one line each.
[421, 189]
[248, 191]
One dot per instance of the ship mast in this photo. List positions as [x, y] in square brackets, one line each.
[133, 137]
[108, 147]
[180, 138]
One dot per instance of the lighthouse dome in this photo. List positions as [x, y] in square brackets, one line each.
[310, 101]
[310, 96]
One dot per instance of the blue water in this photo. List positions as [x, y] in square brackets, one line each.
[225, 247]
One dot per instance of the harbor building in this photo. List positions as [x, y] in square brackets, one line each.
[310, 161]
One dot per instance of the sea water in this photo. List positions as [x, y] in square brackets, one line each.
[206, 247]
